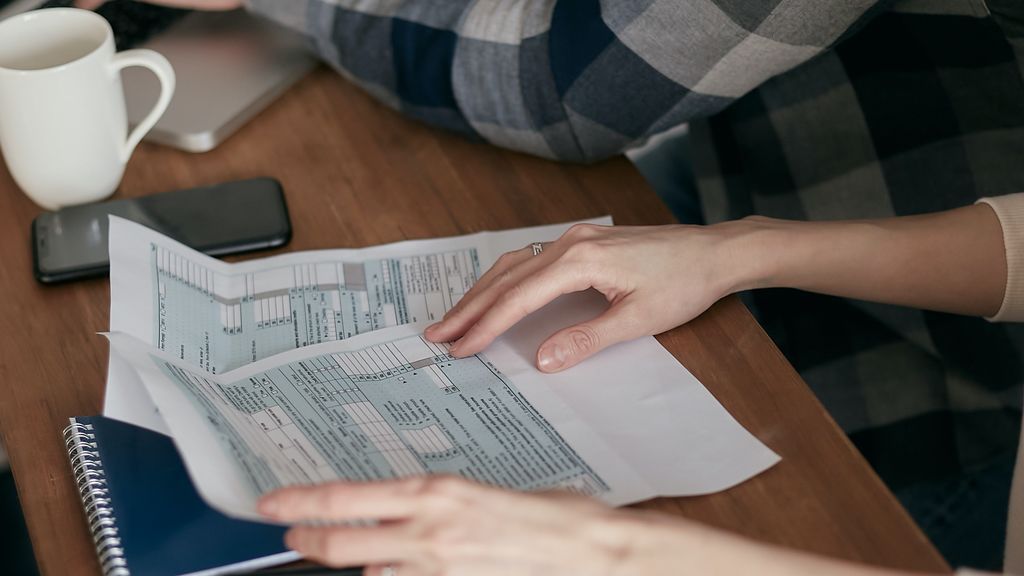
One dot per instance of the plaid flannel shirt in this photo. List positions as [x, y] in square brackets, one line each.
[814, 109]
[921, 110]
[576, 80]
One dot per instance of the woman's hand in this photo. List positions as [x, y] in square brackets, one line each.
[451, 526]
[655, 278]
[659, 277]
[447, 525]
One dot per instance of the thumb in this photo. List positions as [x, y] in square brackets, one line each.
[88, 4]
[570, 346]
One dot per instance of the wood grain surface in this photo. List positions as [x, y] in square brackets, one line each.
[357, 174]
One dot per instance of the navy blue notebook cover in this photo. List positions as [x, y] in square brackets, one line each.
[145, 514]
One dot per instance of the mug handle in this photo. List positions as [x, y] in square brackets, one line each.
[164, 72]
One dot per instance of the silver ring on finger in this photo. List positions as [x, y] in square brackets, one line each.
[537, 248]
[389, 570]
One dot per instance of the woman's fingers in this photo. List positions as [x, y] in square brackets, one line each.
[512, 267]
[518, 300]
[570, 346]
[508, 276]
[618, 262]
[342, 546]
[505, 262]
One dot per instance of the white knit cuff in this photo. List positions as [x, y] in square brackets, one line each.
[1010, 211]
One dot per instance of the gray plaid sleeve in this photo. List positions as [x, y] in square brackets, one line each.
[576, 80]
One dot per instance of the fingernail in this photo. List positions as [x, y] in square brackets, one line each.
[550, 358]
[432, 328]
[454, 347]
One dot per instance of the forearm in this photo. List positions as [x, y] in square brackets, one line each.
[665, 545]
[951, 261]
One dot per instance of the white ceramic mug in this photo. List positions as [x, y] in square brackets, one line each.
[63, 127]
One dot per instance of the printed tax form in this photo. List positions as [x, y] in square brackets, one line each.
[324, 348]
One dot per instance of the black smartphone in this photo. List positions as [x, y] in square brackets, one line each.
[228, 218]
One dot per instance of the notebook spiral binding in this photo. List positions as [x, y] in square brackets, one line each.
[92, 485]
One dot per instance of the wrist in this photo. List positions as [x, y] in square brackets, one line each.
[757, 252]
[654, 544]
[642, 542]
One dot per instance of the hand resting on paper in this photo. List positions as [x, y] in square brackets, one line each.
[655, 278]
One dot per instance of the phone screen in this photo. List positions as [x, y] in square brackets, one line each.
[221, 219]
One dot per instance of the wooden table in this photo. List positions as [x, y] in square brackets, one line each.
[358, 174]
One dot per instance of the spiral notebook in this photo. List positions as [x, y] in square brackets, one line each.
[146, 517]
